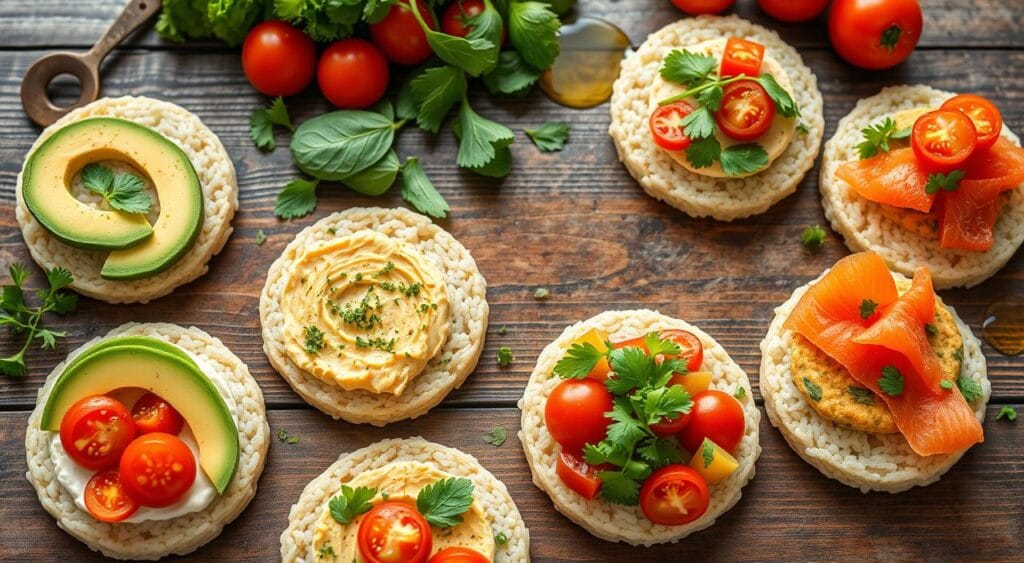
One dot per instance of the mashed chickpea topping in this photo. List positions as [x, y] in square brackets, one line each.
[365, 311]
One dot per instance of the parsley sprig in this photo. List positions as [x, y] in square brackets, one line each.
[443, 503]
[877, 137]
[20, 318]
[945, 182]
[351, 503]
[123, 192]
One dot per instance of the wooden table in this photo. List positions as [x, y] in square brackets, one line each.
[574, 222]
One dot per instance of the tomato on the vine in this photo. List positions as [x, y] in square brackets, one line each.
[988, 122]
[690, 346]
[400, 36]
[875, 34]
[674, 495]
[394, 532]
[575, 413]
[352, 74]
[746, 111]
[741, 57]
[578, 475]
[96, 430]
[459, 555]
[715, 415]
[157, 469]
[793, 10]
[698, 7]
[153, 414]
[667, 126]
[943, 139]
[106, 498]
[278, 59]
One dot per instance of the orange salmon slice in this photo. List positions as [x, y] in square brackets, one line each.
[891, 178]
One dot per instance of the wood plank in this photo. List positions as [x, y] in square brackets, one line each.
[78, 25]
[972, 513]
[573, 221]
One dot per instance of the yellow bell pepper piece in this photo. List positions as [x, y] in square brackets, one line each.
[694, 382]
[713, 463]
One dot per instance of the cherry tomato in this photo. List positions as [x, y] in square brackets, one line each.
[574, 413]
[455, 20]
[988, 122]
[394, 532]
[153, 414]
[715, 415]
[400, 36]
[278, 59]
[578, 475]
[689, 346]
[96, 430]
[670, 426]
[742, 57]
[667, 126]
[352, 74]
[157, 469]
[943, 139]
[698, 7]
[793, 10]
[674, 495]
[106, 499]
[458, 555]
[875, 34]
[746, 112]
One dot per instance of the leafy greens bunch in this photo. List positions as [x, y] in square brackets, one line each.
[20, 318]
[642, 396]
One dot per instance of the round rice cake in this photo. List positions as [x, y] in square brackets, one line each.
[869, 226]
[155, 539]
[448, 369]
[869, 462]
[662, 177]
[297, 539]
[220, 201]
[614, 522]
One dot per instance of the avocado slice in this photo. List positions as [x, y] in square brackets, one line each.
[138, 248]
[147, 365]
[155, 343]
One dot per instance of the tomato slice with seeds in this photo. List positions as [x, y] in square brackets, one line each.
[741, 57]
[578, 475]
[943, 139]
[96, 430]
[394, 532]
[667, 126]
[157, 469]
[689, 346]
[459, 555]
[674, 495]
[988, 122]
[746, 112]
[106, 499]
[153, 414]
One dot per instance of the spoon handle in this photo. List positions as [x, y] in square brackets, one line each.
[132, 17]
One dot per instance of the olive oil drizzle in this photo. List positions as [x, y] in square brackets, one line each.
[591, 51]
[1003, 328]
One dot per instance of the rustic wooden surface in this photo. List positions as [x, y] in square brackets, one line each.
[574, 222]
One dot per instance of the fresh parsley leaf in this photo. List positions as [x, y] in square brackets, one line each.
[877, 137]
[512, 75]
[351, 503]
[283, 436]
[699, 124]
[504, 356]
[946, 384]
[500, 538]
[297, 199]
[261, 237]
[707, 452]
[659, 452]
[435, 91]
[969, 388]
[326, 551]
[443, 503]
[704, 152]
[813, 237]
[478, 138]
[687, 68]
[740, 393]
[497, 436]
[262, 121]
[945, 182]
[891, 382]
[619, 489]
[549, 137]
[123, 192]
[867, 308]
[861, 395]
[578, 361]
[812, 389]
[58, 278]
[20, 318]
[633, 368]
[1007, 413]
[711, 98]
[420, 192]
[783, 101]
[666, 402]
[97, 178]
[738, 160]
[533, 31]
[657, 345]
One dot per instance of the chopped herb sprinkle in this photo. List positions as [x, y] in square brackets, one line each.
[497, 436]
[283, 436]
[541, 293]
[812, 389]
[504, 356]
[1007, 413]
[861, 395]
[314, 340]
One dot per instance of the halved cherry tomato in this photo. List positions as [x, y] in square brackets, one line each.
[689, 345]
[943, 139]
[106, 499]
[667, 126]
[400, 36]
[458, 555]
[715, 415]
[742, 57]
[698, 7]
[578, 475]
[746, 112]
[793, 10]
[875, 34]
[157, 469]
[670, 426]
[96, 430]
[575, 413]
[674, 495]
[988, 122]
[394, 532]
[153, 414]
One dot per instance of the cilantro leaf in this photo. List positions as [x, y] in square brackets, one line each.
[687, 68]
[659, 452]
[478, 137]
[969, 388]
[97, 178]
[420, 192]
[512, 74]
[497, 436]
[743, 159]
[1007, 413]
[861, 395]
[703, 153]
[813, 237]
[711, 98]
[813, 389]
[297, 199]
[657, 345]
[867, 308]
[619, 489]
[262, 121]
[877, 137]
[666, 402]
[351, 503]
[578, 361]
[533, 31]
[783, 101]
[435, 91]
[128, 194]
[58, 278]
[549, 137]
[891, 382]
[945, 182]
[740, 393]
[633, 368]
[699, 124]
[802, 128]
[443, 503]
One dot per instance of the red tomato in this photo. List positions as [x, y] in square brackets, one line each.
[670, 426]
[667, 126]
[458, 555]
[674, 495]
[400, 36]
[455, 20]
[689, 345]
[578, 475]
[96, 430]
[394, 532]
[278, 59]
[715, 415]
[106, 499]
[352, 74]
[875, 34]
[746, 112]
[741, 57]
[153, 414]
[988, 122]
[793, 10]
[943, 139]
[157, 469]
[574, 413]
[697, 7]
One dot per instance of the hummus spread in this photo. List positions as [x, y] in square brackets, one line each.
[774, 141]
[402, 481]
[365, 311]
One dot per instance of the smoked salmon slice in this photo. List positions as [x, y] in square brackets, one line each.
[932, 419]
[891, 178]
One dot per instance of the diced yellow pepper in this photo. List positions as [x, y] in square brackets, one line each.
[694, 382]
[712, 462]
[598, 339]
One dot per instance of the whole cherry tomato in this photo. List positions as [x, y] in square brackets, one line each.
[988, 122]
[352, 74]
[106, 499]
[698, 7]
[715, 415]
[746, 111]
[666, 125]
[793, 10]
[575, 413]
[742, 57]
[157, 469]
[875, 34]
[278, 59]
[578, 475]
[456, 18]
[153, 414]
[459, 555]
[943, 139]
[394, 532]
[689, 346]
[96, 430]
[400, 36]
[674, 495]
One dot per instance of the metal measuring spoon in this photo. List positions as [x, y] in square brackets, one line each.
[83, 66]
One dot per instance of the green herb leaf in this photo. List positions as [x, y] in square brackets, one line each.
[877, 137]
[541, 293]
[314, 340]
[500, 538]
[867, 308]
[341, 143]
[656, 345]
[891, 382]
[474, 56]
[262, 121]
[945, 182]
[740, 393]
[478, 138]
[666, 402]
[419, 191]
[659, 452]
[783, 101]
[711, 97]
[946, 384]
[743, 159]
[297, 199]
[20, 318]
[802, 128]
[812, 389]
[619, 489]
[704, 152]
[813, 237]
[688, 68]
[351, 503]
[1007, 413]
[97, 178]
[861, 395]
[283, 436]
[443, 503]
[578, 361]
[931, 329]
[512, 75]
[376, 179]
[699, 124]
[497, 436]
[549, 137]
[504, 356]
[435, 91]
[707, 452]
[969, 388]
[128, 194]
[261, 237]
[533, 31]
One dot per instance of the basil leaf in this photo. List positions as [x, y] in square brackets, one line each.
[376, 179]
[533, 31]
[341, 143]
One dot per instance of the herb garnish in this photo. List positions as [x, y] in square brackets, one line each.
[19, 318]
[541, 293]
[877, 137]
[443, 503]
[740, 393]
[314, 340]
[867, 308]
[326, 551]
[261, 237]
[945, 182]
[931, 329]
[351, 503]
[861, 395]
[124, 192]
[969, 388]
[504, 356]
[502, 330]
[1007, 413]
[813, 237]
[707, 452]
[891, 382]
[262, 122]
[946, 384]
[297, 199]
[377, 343]
[812, 389]
[500, 538]
[283, 436]
[549, 137]
[497, 436]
